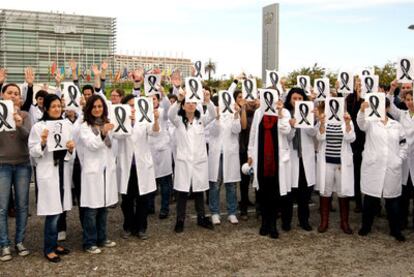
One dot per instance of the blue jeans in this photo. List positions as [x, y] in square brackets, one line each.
[165, 185]
[50, 234]
[18, 175]
[94, 227]
[214, 198]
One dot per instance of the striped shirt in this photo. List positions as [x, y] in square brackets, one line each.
[334, 138]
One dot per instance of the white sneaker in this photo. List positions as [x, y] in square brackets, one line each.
[93, 250]
[233, 219]
[109, 243]
[5, 254]
[215, 219]
[21, 250]
[62, 236]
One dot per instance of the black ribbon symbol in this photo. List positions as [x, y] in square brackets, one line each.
[73, 93]
[143, 107]
[321, 88]
[227, 102]
[334, 107]
[304, 111]
[151, 81]
[194, 88]
[365, 72]
[248, 85]
[3, 116]
[405, 68]
[303, 83]
[58, 139]
[369, 83]
[268, 98]
[344, 80]
[274, 79]
[374, 103]
[120, 116]
[197, 66]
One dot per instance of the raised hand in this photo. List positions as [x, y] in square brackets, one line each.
[104, 65]
[29, 76]
[73, 65]
[95, 70]
[3, 75]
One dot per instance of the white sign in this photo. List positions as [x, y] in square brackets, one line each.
[193, 90]
[152, 83]
[304, 83]
[249, 89]
[273, 81]
[60, 132]
[304, 115]
[72, 96]
[334, 109]
[120, 116]
[268, 100]
[321, 88]
[226, 102]
[366, 72]
[198, 67]
[7, 123]
[369, 84]
[405, 70]
[376, 108]
[346, 82]
[144, 110]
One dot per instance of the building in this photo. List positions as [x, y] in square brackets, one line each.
[270, 38]
[47, 41]
[126, 63]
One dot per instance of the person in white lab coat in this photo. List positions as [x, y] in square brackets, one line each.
[223, 162]
[335, 169]
[52, 177]
[135, 168]
[269, 155]
[303, 159]
[406, 118]
[98, 180]
[381, 171]
[191, 164]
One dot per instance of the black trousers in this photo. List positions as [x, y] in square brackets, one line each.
[76, 179]
[370, 209]
[182, 204]
[244, 186]
[357, 180]
[134, 206]
[302, 195]
[271, 202]
[406, 196]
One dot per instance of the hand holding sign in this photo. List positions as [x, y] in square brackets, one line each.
[304, 115]
[7, 122]
[405, 70]
[58, 135]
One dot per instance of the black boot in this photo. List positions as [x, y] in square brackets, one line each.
[205, 222]
[179, 226]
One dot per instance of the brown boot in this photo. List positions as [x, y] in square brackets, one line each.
[324, 210]
[344, 211]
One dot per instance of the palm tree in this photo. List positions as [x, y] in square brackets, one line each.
[210, 67]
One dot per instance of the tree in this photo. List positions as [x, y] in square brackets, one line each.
[314, 72]
[210, 67]
[386, 74]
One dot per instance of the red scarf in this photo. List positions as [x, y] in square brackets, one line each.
[269, 164]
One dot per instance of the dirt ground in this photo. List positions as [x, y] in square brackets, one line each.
[227, 251]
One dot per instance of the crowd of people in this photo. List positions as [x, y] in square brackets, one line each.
[189, 151]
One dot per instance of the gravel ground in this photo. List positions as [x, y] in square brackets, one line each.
[227, 251]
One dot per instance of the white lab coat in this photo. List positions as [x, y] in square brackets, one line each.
[136, 145]
[98, 177]
[408, 124]
[384, 152]
[191, 164]
[224, 139]
[284, 163]
[35, 114]
[308, 155]
[347, 163]
[47, 175]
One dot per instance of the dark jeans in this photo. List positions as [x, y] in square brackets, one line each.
[302, 194]
[244, 186]
[370, 208]
[50, 234]
[406, 196]
[165, 185]
[61, 225]
[94, 226]
[182, 204]
[134, 206]
[357, 180]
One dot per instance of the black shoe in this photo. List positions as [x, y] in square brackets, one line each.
[179, 227]
[55, 259]
[205, 222]
[263, 231]
[62, 251]
[286, 227]
[274, 234]
[150, 211]
[163, 216]
[398, 236]
[363, 232]
[305, 226]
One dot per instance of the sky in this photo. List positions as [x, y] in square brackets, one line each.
[336, 34]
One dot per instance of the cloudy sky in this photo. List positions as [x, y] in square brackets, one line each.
[337, 34]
